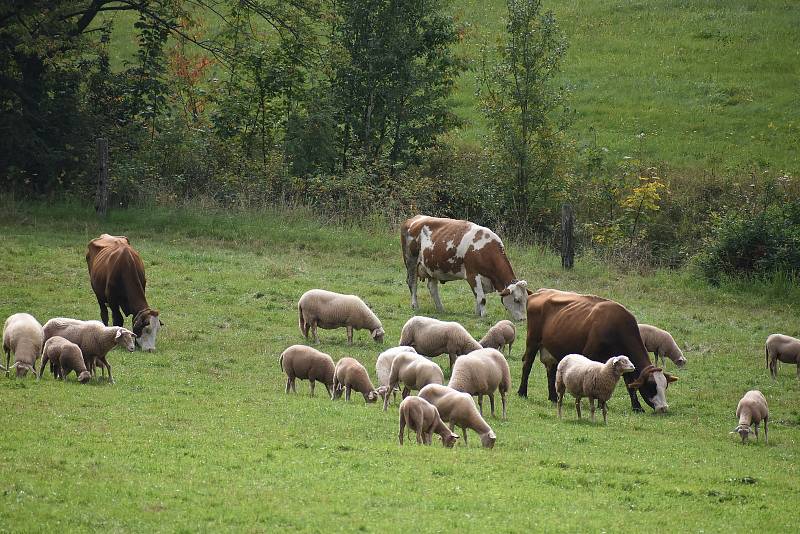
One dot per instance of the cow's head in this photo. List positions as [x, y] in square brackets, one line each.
[125, 339]
[515, 299]
[377, 334]
[652, 384]
[146, 325]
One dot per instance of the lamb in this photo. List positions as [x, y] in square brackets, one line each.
[22, 335]
[458, 408]
[751, 410]
[583, 377]
[502, 333]
[326, 309]
[422, 417]
[306, 363]
[349, 375]
[65, 357]
[782, 348]
[661, 343]
[482, 372]
[414, 371]
[94, 339]
[383, 368]
[432, 337]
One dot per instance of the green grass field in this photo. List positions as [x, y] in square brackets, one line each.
[199, 436]
[713, 85]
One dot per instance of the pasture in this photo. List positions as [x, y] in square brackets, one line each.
[200, 435]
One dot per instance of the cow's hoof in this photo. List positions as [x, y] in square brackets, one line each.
[638, 409]
[523, 394]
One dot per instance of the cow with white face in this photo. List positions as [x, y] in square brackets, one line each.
[440, 250]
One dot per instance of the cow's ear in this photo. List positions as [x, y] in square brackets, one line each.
[636, 384]
[505, 292]
[529, 292]
[160, 322]
[670, 378]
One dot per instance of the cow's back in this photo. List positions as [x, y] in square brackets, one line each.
[116, 272]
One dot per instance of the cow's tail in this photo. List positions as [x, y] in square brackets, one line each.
[301, 321]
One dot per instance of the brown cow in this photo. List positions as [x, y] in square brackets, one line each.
[441, 250]
[117, 276]
[561, 323]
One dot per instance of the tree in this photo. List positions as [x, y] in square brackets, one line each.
[524, 109]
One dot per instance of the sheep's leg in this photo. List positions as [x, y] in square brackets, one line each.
[312, 387]
[798, 371]
[419, 437]
[406, 392]
[108, 366]
[480, 403]
[604, 406]
[347, 393]
[504, 400]
[294, 384]
[452, 360]
[288, 384]
[433, 288]
[349, 335]
[560, 402]
[491, 402]
[755, 428]
[578, 406]
[8, 361]
[766, 434]
[314, 331]
[41, 369]
[464, 432]
[509, 349]
[591, 407]
[402, 427]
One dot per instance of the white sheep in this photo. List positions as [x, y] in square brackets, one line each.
[22, 335]
[328, 310]
[422, 417]
[583, 377]
[383, 368]
[94, 339]
[784, 349]
[414, 371]
[432, 337]
[351, 374]
[307, 363]
[482, 372]
[661, 343]
[64, 357]
[459, 409]
[501, 334]
[751, 410]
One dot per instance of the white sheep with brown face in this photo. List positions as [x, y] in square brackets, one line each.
[781, 348]
[350, 375]
[751, 411]
[307, 363]
[22, 336]
[94, 339]
[661, 343]
[423, 418]
[583, 377]
[328, 310]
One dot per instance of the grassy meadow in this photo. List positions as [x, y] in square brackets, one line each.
[200, 436]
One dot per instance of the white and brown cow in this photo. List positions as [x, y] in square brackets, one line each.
[440, 250]
[116, 272]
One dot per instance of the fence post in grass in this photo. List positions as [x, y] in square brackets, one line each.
[567, 236]
[101, 198]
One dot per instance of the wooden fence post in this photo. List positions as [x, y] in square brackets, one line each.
[101, 198]
[567, 237]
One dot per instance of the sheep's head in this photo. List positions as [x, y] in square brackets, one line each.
[681, 361]
[450, 441]
[515, 299]
[378, 334]
[372, 396]
[622, 365]
[84, 377]
[488, 439]
[744, 432]
[125, 339]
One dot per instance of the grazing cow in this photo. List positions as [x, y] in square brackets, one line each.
[561, 323]
[116, 273]
[441, 250]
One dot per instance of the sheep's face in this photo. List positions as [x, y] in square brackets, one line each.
[125, 339]
[515, 299]
[450, 440]
[488, 439]
[378, 334]
[622, 365]
[84, 377]
[372, 396]
[146, 326]
[681, 361]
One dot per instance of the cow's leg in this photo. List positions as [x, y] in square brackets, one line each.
[551, 383]
[528, 358]
[476, 283]
[116, 315]
[411, 279]
[635, 405]
[433, 287]
[103, 312]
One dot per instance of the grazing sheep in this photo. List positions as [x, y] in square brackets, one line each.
[22, 335]
[503, 333]
[349, 375]
[422, 417]
[661, 343]
[751, 410]
[583, 377]
[432, 337]
[482, 372]
[459, 409]
[306, 363]
[65, 357]
[94, 339]
[784, 349]
[414, 371]
[383, 368]
[326, 309]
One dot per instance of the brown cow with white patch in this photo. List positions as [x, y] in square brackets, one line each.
[562, 323]
[116, 273]
[440, 250]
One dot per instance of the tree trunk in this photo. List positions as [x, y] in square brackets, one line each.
[101, 198]
[567, 237]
